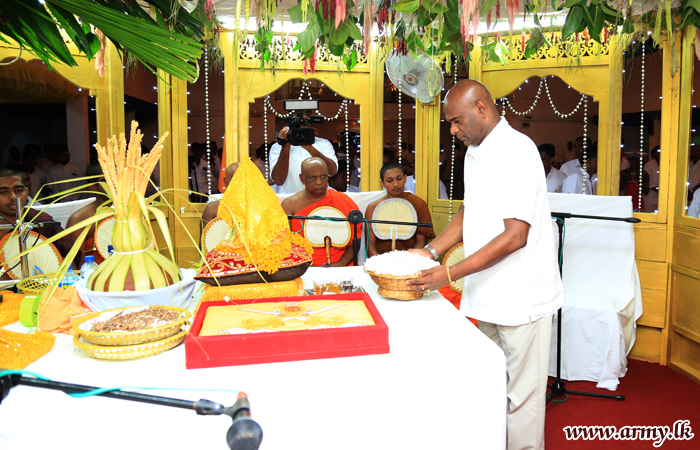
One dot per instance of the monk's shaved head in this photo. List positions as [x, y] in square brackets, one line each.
[471, 112]
[230, 172]
[314, 177]
[309, 163]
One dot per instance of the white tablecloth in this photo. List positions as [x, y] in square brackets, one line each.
[601, 286]
[61, 212]
[443, 386]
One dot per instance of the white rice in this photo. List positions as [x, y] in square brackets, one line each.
[398, 263]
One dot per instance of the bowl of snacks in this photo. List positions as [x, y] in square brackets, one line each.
[131, 325]
[391, 272]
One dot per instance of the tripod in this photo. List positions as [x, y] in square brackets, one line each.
[355, 218]
[558, 387]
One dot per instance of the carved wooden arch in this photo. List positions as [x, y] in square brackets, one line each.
[596, 73]
[83, 75]
[252, 84]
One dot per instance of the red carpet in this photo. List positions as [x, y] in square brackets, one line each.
[654, 396]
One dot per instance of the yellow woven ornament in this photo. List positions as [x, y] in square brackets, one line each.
[18, 350]
[258, 223]
[9, 308]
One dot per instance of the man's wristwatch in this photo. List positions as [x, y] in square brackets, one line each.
[432, 251]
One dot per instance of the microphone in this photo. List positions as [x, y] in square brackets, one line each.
[244, 433]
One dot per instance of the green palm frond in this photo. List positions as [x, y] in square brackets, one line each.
[165, 36]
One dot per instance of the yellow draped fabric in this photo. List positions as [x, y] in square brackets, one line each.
[259, 227]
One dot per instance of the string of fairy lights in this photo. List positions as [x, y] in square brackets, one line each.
[454, 147]
[583, 101]
[305, 88]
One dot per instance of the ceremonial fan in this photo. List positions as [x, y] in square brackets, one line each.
[452, 257]
[103, 236]
[47, 258]
[326, 233]
[395, 209]
[213, 234]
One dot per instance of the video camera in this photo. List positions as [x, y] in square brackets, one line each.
[298, 133]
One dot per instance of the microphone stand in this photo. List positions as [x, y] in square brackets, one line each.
[243, 431]
[23, 232]
[558, 387]
[355, 218]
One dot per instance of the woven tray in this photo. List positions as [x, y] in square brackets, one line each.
[120, 353]
[395, 287]
[36, 284]
[122, 338]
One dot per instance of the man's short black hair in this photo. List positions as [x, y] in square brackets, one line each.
[548, 149]
[18, 168]
[9, 171]
[388, 166]
[592, 151]
[589, 142]
[342, 166]
[93, 170]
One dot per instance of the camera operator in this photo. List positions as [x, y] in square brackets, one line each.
[286, 159]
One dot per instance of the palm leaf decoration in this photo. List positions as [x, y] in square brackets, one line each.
[163, 36]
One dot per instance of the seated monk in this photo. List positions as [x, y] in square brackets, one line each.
[393, 179]
[211, 209]
[11, 187]
[314, 177]
[87, 211]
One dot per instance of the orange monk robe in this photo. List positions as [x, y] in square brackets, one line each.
[455, 298]
[423, 213]
[336, 200]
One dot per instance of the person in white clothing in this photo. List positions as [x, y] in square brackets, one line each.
[694, 208]
[651, 200]
[584, 181]
[286, 159]
[513, 286]
[62, 173]
[411, 187]
[555, 178]
[572, 167]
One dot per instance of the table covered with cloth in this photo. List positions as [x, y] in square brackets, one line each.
[443, 385]
[601, 289]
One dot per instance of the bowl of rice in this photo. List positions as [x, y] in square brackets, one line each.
[392, 270]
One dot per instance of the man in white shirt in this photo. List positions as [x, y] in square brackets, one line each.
[555, 178]
[63, 172]
[651, 200]
[574, 184]
[286, 159]
[411, 187]
[513, 287]
[573, 166]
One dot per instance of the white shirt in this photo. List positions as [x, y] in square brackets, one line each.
[573, 184]
[571, 167]
[200, 181]
[38, 179]
[525, 286]
[555, 179]
[652, 168]
[651, 200]
[694, 177]
[297, 155]
[694, 209]
[59, 172]
[411, 186]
